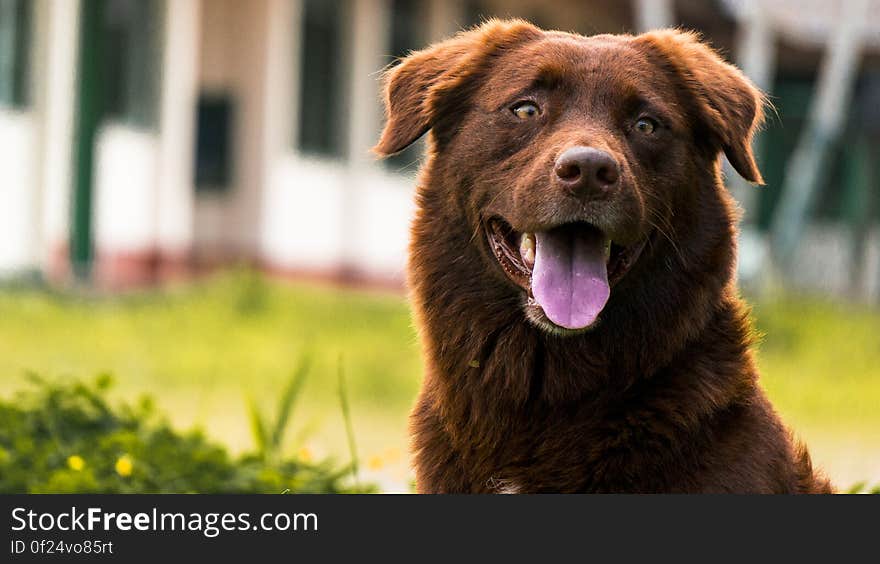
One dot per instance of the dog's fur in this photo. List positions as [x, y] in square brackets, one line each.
[661, 395]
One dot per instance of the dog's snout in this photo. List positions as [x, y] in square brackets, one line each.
[586, 171]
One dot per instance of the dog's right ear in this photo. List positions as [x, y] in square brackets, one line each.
[419, 89]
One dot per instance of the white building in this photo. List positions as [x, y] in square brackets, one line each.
[144, 137]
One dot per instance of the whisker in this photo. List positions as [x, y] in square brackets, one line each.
[668, 238]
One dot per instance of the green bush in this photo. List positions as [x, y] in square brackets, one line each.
[863, 488]
[67, 438]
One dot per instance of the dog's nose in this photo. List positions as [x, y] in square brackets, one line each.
[586, 172]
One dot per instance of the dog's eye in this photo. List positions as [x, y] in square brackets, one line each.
[646, 125]
[525, 110]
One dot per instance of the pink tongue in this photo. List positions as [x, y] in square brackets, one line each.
[570, 278]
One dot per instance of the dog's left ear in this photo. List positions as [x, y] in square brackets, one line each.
[730, 105]
[429, 84]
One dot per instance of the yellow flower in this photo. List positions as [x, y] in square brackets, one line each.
[124, 466]
[304, 454]
[76, 462]
[375, 462]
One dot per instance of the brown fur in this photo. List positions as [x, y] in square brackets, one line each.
[661, 395]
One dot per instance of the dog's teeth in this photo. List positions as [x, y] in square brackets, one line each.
[527, 248]
[607, 249]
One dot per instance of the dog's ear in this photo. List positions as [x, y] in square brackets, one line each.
[430, 82]
[731, 107]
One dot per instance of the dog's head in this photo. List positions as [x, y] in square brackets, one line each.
[570, 155]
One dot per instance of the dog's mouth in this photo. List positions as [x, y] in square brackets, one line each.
[567, 271]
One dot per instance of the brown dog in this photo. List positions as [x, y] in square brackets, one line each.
[572, 267]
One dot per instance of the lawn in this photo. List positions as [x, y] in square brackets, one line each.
[204, 350]
[820, 364]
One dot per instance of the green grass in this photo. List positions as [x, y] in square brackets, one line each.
[821, 361]
[820, 364]
[203, 350]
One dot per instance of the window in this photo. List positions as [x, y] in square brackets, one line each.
[407, 34]
[841, 193]
[130, 60]
[214, 129]
[322, 111]
[16, 18]
[791, 98]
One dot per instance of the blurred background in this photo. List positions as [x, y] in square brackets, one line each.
[188, 203]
